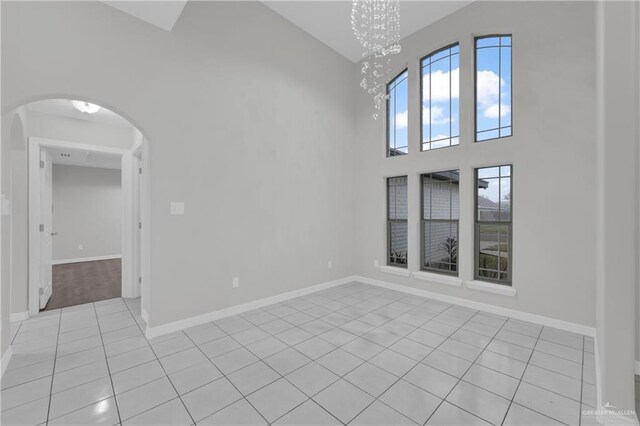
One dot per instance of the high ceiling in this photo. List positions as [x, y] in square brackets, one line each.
[163, 14]
[330, 21]
[327, 21]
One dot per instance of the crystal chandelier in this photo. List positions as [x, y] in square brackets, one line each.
[376, 25]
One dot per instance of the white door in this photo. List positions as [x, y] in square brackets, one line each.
[46, 229]
[137, 258]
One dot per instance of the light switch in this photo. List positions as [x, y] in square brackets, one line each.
[176, 208]
[5, 205]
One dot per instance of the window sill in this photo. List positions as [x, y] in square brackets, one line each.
[394, 270]
[437, 278]
[504, 290]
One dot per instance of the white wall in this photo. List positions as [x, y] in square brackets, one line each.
[249, 122]
[638, 181]
[13, 136]
[552, 151]
[87, 211]
[617, 214]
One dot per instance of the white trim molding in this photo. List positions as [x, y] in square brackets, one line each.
[87, 259]
[505, 290]
[19, 316]
[498, 310]
[394, 270]
[438, 278]
[4, 362]
[596, 360]
[637, 368]
[163, 329]
[130, 194]
[35, 146]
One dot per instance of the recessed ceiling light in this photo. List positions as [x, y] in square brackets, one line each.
[85, 107]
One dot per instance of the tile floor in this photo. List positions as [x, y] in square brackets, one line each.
[354, 354]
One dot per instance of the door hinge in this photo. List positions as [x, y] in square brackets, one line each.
[139, 280]
[41, 227]
[41, 291]
[139, 225]
[42, 164]
[140, 170]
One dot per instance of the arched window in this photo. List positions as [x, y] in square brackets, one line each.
[440, 84]
[397, 109]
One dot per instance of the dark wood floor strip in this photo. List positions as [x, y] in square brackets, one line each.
[84, 282]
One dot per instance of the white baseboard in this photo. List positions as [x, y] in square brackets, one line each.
[524, 316]
[144, 315]
[160, 330]
[4, 362]
[637, 368]
[87, 259]
[614, 418]
[19, 316]
[596, 360]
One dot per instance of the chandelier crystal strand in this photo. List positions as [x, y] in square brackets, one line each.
[376, 25]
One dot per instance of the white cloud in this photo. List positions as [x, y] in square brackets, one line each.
[440, 85]
[435, 115]
[488, 89]
[402, 119]
[489, 94]
[492, 111]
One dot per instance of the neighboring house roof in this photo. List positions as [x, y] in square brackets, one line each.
[485, 203]
[482, 184]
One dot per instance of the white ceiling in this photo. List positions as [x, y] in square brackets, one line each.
[330, 21]
[163, 14]
[64, 108]
[76, 157]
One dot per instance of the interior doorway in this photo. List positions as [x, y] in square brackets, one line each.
[76, 254]
[82, 216]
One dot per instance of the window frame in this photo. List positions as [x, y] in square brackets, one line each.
[390, 221]
[422, 227]
[388, 127]
[475, 88]
[477, 223]
[457, 43]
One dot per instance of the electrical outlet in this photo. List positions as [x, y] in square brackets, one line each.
[330, 265]
[236, 282]
[176, 207]
[376, 263]
[80, 247]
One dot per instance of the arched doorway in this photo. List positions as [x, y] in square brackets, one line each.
[27, 183]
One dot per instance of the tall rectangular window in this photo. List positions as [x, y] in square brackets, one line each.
[397, 212]
[440, 98]
[493, 87]
[440, 215]
[494, 198]
[397, 110]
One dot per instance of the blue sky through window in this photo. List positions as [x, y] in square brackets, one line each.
[493, 87]
[397, 119]
[441, 98]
